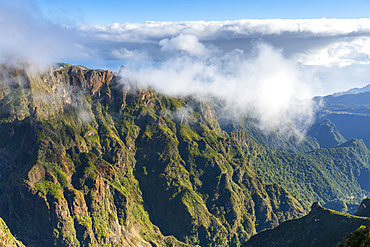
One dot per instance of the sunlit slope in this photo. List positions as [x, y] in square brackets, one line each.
[89, 161]
[320, 175]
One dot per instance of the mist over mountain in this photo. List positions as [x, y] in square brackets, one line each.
[332, 53]
[206, 136]
[87, 160]
[91, 158]
[266, 85]
[354, 91]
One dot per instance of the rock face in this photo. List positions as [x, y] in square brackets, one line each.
[86, 160]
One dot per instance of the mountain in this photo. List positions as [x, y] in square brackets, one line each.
[321, 175]
[342, 205]
[283, 137]
[354, 91]
[89, 160]
[321, 227]
[349, 113]
[326, 134]
[359, 237]
[347, 99]
[364, 208]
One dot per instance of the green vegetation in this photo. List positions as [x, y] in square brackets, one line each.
[359, 238]
[321, 227]
[326, 134]
[364, 208]
[321, 175]
[99, 164]
[87, 161]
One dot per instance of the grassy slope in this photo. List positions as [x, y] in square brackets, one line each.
[321, 175]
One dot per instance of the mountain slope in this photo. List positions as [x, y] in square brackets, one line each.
[350, 113]
[321, 175]
[364, 208]
[6, 237]
[321, 227]
[354, 91]
[89, 161]
[326, 134]
[283, 137]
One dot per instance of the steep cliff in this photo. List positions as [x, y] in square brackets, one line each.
[88, 160]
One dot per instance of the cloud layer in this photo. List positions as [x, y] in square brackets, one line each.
[25, 34]
[314, 42]
[264, 83]
[268, 66]
[326, 42]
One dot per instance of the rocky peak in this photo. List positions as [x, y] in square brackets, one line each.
[83, 78]
[364, 208]
[316, 206]
[97, 152]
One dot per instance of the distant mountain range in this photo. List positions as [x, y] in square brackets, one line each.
[353, 91]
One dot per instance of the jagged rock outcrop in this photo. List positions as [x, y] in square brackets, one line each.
[364, 208]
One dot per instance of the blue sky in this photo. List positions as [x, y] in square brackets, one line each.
[327, 42]
[139, 11]
[268, 56]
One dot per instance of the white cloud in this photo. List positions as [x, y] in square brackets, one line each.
[212, 30]
[25, 34]
[273, 87]
[324, 42]
[342, 53]
[124, 54]
[183, 42]
[338, 44]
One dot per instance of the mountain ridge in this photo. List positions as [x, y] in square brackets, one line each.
[321, 227]
[88, 161]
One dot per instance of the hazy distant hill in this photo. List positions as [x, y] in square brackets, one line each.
[349, 113]
[354, 91]
[284, 137]
[326, 134]
[320, 175]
